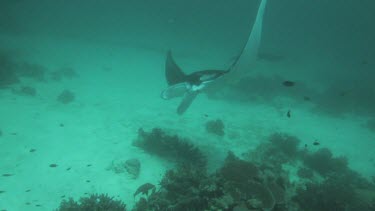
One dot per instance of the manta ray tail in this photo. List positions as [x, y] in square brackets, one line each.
[173, 72]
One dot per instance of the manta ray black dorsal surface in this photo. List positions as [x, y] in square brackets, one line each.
[173, 72]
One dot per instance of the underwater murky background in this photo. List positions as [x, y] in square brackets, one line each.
[79, 78]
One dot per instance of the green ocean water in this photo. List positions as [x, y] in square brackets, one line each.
[78, 79]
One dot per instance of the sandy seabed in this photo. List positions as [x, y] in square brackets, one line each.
[117, 91]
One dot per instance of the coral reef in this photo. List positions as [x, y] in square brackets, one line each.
[170, 147]
[305, 173]
[95, 202]
[324, 163]
[215, 127]
[325, 182]
[239, 171]
[245, 181]
[180, 190]
[276, 176]
[280, 148]
[189, 188]
[285, 144]
[333, 194]
[66, 97]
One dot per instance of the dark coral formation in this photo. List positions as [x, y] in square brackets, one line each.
[324, 163]
[215, 127]
[260, 182]
[237, 170]
[66, 97]
[326, 182]
[280, 148]
[181, 189]
[188, 188]
[249, 186]
[337, 193]
[341, 189]
[95, 202]
[170, 147]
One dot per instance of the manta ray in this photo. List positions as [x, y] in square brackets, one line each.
[188, 86]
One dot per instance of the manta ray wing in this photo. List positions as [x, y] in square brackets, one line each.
[173, 72]
[249, 52]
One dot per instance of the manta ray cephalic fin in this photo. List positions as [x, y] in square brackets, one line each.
[186, 102]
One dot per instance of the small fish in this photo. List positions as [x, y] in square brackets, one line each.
[306, 98]
[7, 175]
[316, 143]
[289, 83]
[53, 165]
[288, 114]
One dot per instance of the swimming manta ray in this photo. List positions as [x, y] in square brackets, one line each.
[189, 86]
[186, 86]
